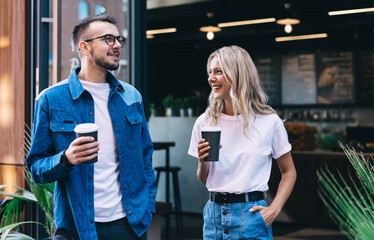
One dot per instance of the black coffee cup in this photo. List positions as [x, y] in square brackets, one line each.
[87, 129]
[212, 135]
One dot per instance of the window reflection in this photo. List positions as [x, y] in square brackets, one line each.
[83, 10]
[100, 9]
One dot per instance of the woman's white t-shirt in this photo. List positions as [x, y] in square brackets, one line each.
[244, 161]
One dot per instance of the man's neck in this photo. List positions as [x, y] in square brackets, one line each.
[92, 74]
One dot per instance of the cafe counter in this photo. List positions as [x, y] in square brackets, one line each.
[305, 205]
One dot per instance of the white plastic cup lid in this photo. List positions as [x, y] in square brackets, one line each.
[86, 128]
[211, 129]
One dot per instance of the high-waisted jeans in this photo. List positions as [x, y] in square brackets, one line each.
[234, 221]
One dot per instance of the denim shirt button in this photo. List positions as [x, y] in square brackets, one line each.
[90, 113]
[89, 177]
[117, 127]
[89, 199]
[91, 221]
[124, 189]
[62, 128]
[129, 211]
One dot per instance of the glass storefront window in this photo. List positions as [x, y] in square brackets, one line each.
[69, 58]
[70, 17]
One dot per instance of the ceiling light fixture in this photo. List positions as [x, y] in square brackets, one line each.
[301, 37]
[159, 31]
[350, 11]
[210, 30]
[246, 22]
[288, 22]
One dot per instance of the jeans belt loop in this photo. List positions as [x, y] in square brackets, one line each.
[246, 198]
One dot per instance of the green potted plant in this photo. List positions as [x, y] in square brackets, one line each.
[180, 104]
[189, 104]
[168, 103]
[151, 108]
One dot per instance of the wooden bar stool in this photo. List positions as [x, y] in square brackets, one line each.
[173, 172]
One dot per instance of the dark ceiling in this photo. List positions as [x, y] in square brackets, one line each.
[312, 14]
[177, 61]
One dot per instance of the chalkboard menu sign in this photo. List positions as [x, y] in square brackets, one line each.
[298, 79]
[268, 71]
[335, 78]
[365, 76]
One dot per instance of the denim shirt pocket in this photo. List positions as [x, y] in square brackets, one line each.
[63, 133]
[134, 138]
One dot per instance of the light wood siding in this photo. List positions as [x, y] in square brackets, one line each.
[12, 90]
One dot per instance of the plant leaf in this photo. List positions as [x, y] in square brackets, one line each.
[21, 194]
[4, 231]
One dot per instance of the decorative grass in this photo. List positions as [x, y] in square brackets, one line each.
[351, 203]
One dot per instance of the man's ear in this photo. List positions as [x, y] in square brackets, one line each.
[83, 47]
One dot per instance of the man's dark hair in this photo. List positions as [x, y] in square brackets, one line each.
[86, 21]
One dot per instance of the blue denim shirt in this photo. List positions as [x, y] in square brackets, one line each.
[58, 110]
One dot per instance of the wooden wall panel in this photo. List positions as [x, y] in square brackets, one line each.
[12, 89]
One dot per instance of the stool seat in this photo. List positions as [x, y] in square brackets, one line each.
[167, 169]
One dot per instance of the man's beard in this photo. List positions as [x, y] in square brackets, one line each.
[101, 62]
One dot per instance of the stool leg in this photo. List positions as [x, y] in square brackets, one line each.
[177, 200]
[158, 177]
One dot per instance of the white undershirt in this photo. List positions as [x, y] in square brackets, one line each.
[107, 194]
[244, 163]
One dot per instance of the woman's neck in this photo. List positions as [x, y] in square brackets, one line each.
[229, 109]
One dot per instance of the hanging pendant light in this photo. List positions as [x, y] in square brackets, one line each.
[210, 30]
[288, 22]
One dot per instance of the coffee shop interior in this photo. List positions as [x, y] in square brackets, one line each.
[315, 62]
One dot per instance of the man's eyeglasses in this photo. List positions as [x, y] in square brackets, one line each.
[110, 39]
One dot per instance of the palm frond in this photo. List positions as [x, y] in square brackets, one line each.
[5, 231]
[40, 193]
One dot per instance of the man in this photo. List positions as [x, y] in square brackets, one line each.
[113, 198]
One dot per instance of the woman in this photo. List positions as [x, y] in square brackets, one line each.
[251, 135]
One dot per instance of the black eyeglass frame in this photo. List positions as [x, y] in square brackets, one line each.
[120, 39]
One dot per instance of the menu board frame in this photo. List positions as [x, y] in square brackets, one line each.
[268, 68]
[365, 77]
[336, 78]
[298, 79]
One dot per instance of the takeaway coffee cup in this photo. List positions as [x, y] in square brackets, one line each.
[87, 129]
[212, 135]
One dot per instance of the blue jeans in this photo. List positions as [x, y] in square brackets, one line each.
[234, 221]
[117, 230]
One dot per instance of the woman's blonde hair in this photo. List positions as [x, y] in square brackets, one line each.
[247, 96]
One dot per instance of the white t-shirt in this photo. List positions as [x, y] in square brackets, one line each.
[244, 162]
[107, 194]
